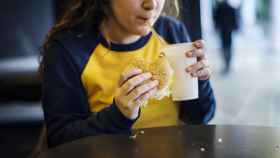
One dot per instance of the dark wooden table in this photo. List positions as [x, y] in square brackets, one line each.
[178, 142]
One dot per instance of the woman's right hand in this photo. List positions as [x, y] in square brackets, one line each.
[133, 91]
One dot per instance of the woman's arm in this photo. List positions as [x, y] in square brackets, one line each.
[65, 102]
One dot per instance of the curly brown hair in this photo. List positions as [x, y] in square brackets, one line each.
[88, 12]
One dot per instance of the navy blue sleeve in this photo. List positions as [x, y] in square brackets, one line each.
[65, 103]
[198, 111]
[202, 110]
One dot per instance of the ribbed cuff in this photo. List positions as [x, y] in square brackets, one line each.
[121, 120]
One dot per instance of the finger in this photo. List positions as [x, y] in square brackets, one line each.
[197, 66]
[198, 53]
[137, 92]
[190, 53]
[143, 98]
[204, 74]
[135, 81]
[128, 74]
[199, 44]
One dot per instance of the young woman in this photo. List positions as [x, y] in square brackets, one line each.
[83, 63]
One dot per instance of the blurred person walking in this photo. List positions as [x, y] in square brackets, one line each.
[226, 22]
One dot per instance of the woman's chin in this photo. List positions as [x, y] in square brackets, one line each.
[143, 31]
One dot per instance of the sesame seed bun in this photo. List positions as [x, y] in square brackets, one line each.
[160, 70]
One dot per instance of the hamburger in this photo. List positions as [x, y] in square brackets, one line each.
[161, 70]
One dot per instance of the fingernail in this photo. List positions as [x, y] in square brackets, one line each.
[156, 82]
[194, 74]
[138, 70]
[198, 42]
[189, 54]
[148, 74]
[188, 69]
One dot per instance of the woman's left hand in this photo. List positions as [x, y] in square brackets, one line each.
[201, 68]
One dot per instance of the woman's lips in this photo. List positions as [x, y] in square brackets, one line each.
[144, 19]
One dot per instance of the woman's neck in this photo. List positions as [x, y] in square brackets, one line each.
[117, 34]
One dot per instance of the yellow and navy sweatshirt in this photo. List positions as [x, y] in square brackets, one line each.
[80, 78]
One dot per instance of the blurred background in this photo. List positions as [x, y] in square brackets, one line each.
[249, 93]
[243, 50]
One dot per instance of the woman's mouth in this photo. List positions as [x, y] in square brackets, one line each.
[144, 19]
